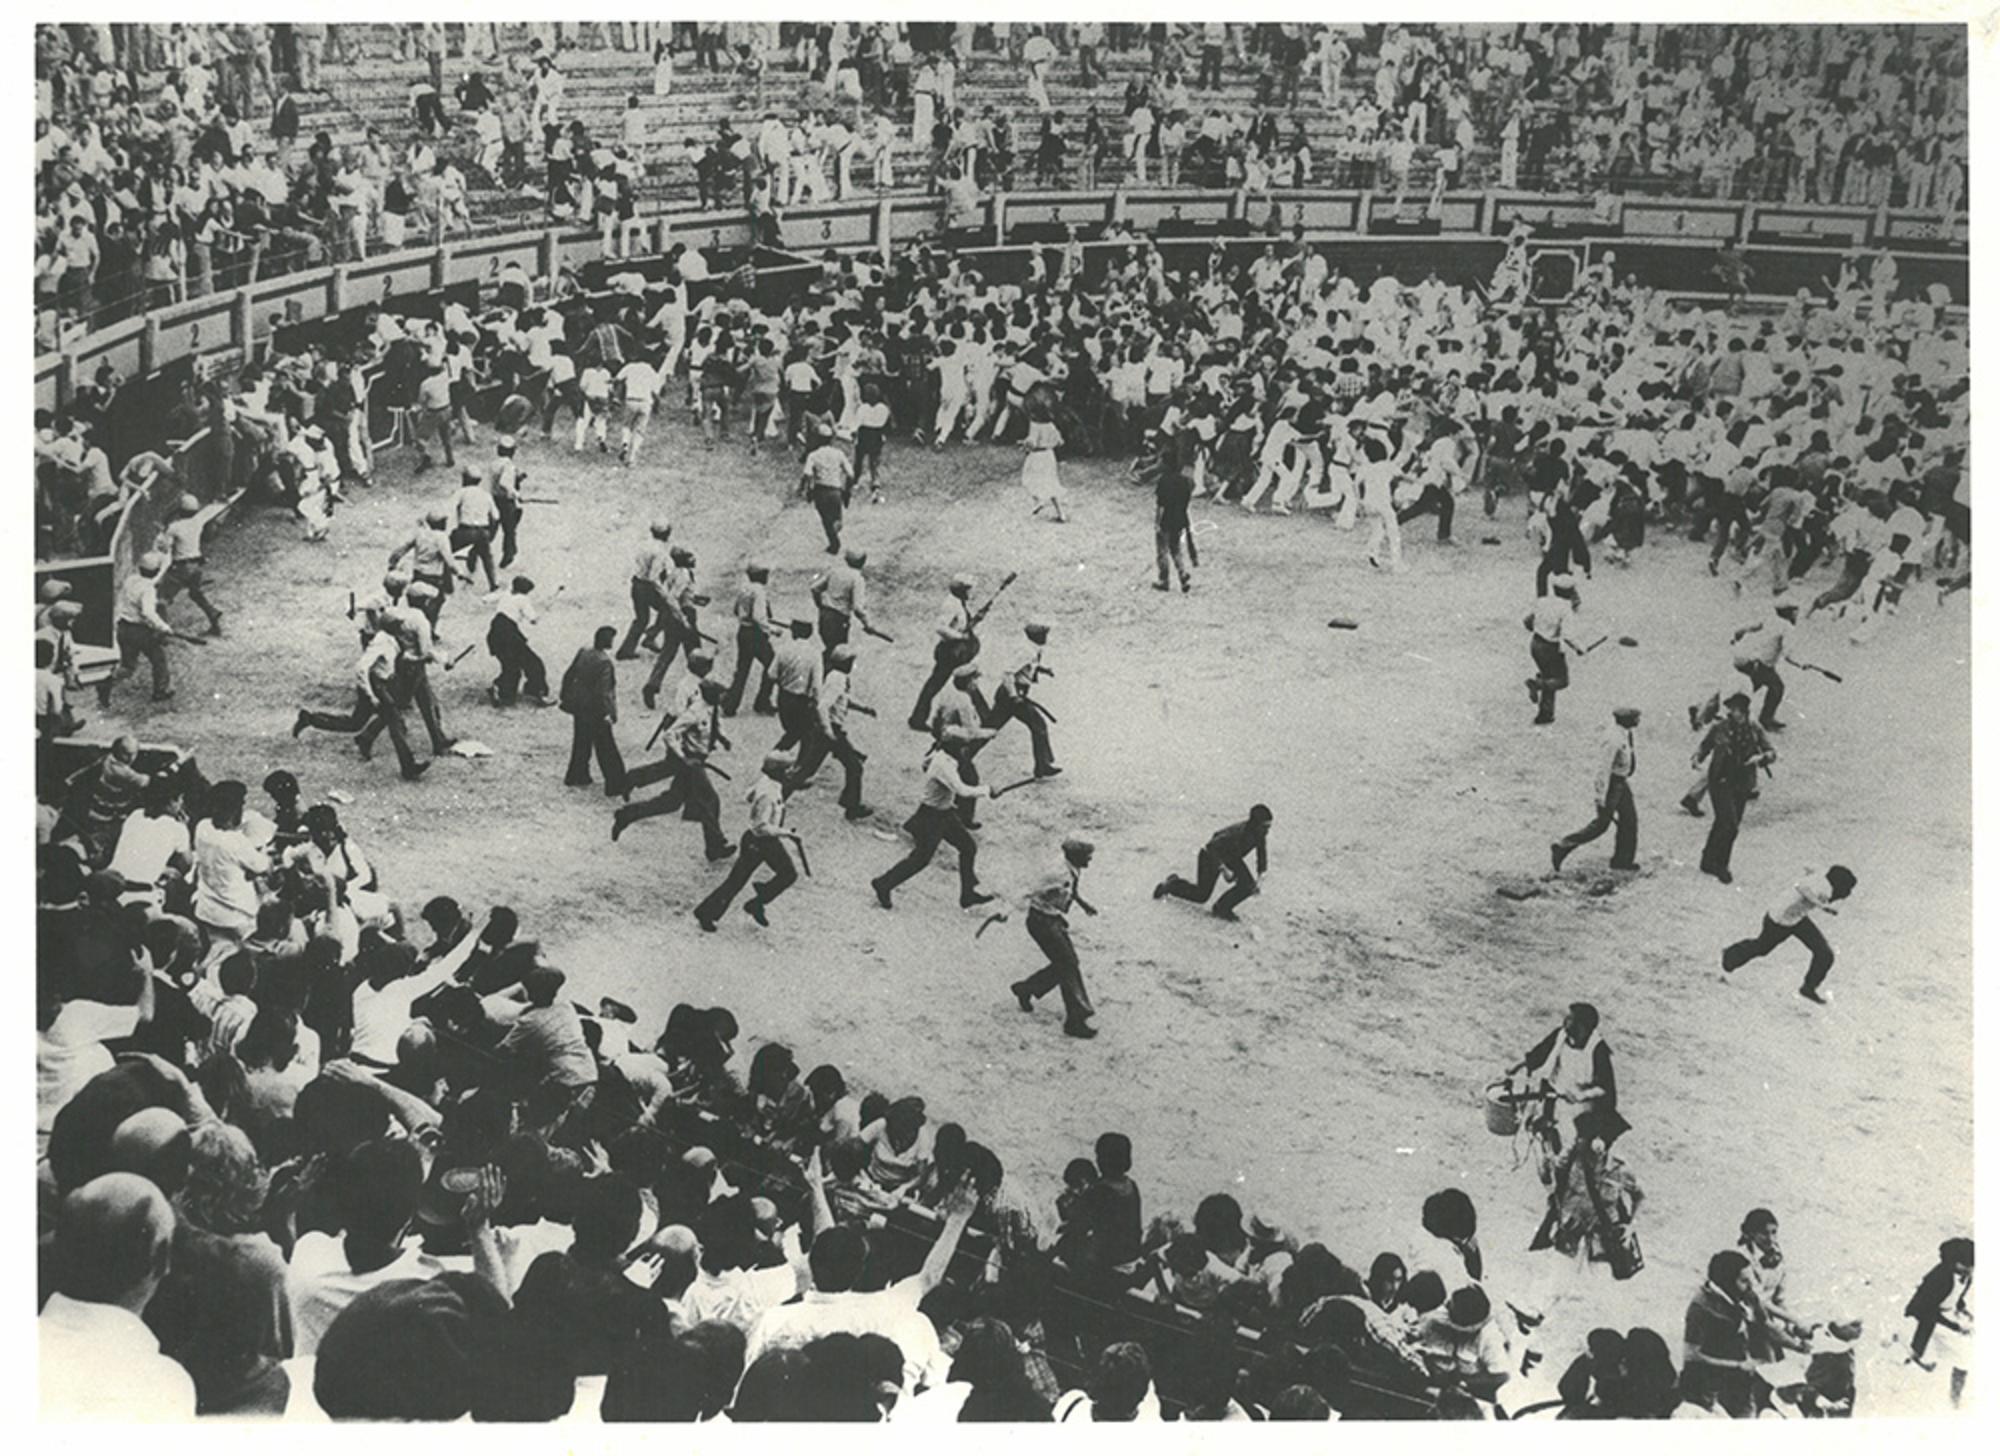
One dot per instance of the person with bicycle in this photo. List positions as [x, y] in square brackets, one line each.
[1572, 1089]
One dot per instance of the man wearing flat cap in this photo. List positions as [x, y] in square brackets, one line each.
[1048, 926]
[1012, 702]
[954, 646]
[1619, 760]
[1734, 748]
[762, 845]
[797, 670]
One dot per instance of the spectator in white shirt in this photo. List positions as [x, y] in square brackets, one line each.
[113, 1243]
[834, 1306]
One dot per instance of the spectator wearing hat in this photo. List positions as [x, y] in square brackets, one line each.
[590, 697]
[1620, 760]
[1048, 926]
[180, 543]
[1734, 749]
[53, 716]
[762, 844]
[955, 645]
[1225, 856]
[1792, 919]
[113, 1247]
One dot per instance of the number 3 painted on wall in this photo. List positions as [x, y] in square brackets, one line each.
[826, 227]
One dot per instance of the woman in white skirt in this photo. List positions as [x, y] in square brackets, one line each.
[1038, 469]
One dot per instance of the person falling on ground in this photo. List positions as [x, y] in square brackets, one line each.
[1792, 919]
[1225, 856]
[1048, 926]
[1620, 760]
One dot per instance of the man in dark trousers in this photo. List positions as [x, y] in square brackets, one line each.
[755, 623]
[507, 640]
[833, 705]
[1226, 855]
[650, 569]
[936, 822]
[842, 598]
[1620, 759]
[1172, 535]
[955, 645]
[694, 733]
[762, 844]
[1550, 623]
[1048, 926]
[1013, 703]
[796, 669]
[1792, 919]
[1735, 749]
[590, 697]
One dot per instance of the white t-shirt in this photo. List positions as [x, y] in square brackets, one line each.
[225, 894]
[145, 845]
[319, 1283]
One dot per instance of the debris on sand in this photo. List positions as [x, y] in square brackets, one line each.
[1520, 890]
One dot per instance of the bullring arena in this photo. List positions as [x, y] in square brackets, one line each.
[1328, 1059]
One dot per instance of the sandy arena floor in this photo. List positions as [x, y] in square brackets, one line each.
[1322, 1059]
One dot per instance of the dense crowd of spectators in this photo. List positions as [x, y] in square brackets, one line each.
[350, 1143]
[301, 1155]
[170, 162]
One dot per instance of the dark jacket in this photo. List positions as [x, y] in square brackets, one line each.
[590, 687]
[1926, 1307]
